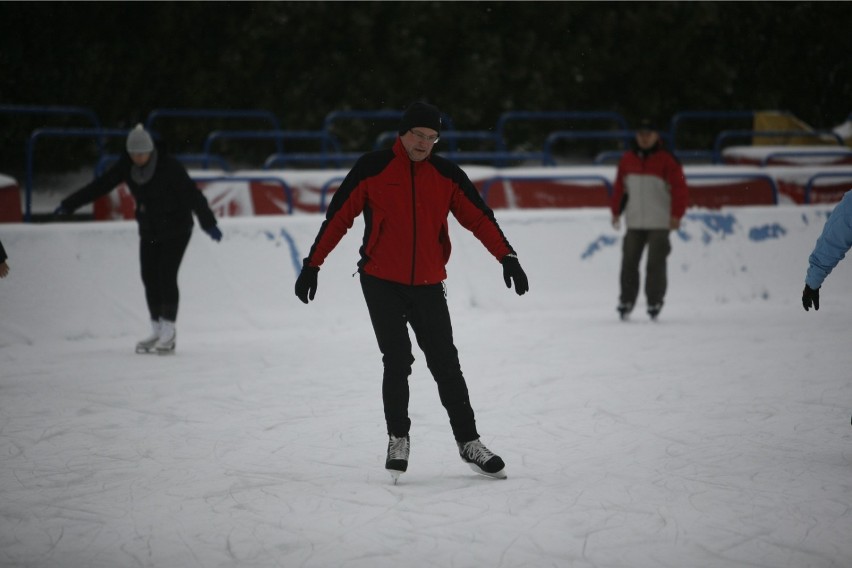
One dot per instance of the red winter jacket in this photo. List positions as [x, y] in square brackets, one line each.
[406, 205]
[653, 185]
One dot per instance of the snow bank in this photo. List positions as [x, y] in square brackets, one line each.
[81, 280]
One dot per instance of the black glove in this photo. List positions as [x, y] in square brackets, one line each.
[306, 283]
[512, 271]
[214, 233]
[810, 297]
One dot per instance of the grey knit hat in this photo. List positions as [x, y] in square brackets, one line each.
[139, 141]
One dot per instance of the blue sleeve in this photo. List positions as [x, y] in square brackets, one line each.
[833, 243]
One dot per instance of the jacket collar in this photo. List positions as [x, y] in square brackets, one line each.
[645, 153]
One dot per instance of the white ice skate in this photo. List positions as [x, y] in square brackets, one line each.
[147, 344]
[168, 338]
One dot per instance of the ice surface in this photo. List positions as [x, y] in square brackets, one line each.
[718, 436]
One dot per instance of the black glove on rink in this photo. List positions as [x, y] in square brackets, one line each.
[306, 283]
[809, 297]
[512, 271]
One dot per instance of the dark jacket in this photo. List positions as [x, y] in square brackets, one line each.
[3, 256]
[164, 204]
[406, 205]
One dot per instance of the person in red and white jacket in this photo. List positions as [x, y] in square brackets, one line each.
[406, 194]
[650, 190]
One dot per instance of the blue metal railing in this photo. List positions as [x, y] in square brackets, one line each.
[557, 115]
[611, 157]
[497, 158]
[253, 114]
[624, 136]
[328, 153]
[810, 184]
[726, 135]
[98, 133]
[50, 110]
[374, 115]
[449, 138]
[705, 115]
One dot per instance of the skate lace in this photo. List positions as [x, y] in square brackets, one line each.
[477, 452]
[398, 448]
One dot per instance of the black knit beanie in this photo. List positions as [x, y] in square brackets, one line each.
[647, 123]
[420, 114]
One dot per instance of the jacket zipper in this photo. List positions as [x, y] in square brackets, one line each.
[413, 224]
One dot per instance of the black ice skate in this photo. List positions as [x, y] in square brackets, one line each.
[397, 460]
[624, 309]
[481, 459]
[654, 310]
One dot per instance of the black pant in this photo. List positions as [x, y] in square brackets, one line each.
[659, 247]
[392, 308]
[160, 261]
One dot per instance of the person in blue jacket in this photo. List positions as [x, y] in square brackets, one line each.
[166, 197]
[4, 266]
[831, 246]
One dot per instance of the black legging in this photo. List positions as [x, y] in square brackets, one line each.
[160, 263]
[392, 307]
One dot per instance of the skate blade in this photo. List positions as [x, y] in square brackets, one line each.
[144, 350]
[496, 475]
[395, 475]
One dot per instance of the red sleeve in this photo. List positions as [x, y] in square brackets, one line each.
[617, 191]
[346, 205]
[680, 193]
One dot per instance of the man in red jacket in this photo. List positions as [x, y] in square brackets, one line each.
[651, 192]
[406, 195]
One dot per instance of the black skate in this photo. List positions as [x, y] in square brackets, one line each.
[397, 459]
[481, 459]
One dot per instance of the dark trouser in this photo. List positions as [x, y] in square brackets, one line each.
[160, 262]
[392, 308]
[659, 247]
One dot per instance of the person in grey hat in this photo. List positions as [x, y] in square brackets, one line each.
[165, 198]
[406, 195]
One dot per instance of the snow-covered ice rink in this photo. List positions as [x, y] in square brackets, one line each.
[717, 437]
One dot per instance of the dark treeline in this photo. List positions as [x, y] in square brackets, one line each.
[301, 60]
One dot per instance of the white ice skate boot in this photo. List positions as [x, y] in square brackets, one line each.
[168, 338]
[147, 344]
